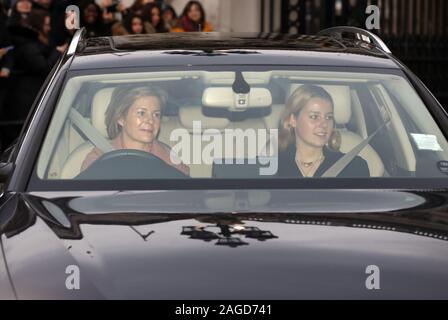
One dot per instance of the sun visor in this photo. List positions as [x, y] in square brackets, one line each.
[224, 97]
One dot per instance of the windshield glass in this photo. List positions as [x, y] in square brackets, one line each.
[241, 123]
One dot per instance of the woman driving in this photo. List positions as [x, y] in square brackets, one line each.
[133, 122]
[307, 140]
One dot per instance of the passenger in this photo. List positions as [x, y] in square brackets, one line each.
[307, 140]
[133, 122]
[193, 19]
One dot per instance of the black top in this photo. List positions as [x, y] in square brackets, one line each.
[287, 166]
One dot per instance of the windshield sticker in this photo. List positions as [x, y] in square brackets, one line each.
[426, 142]
[443, 166]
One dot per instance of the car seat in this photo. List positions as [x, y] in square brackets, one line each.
[342, 115]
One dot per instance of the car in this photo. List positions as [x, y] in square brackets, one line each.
[91, 209]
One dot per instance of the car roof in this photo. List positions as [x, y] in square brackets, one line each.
[179, 49]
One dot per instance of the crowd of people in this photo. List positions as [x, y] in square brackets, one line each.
[33, 36]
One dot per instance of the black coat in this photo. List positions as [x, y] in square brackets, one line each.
[287, 167]
[32, 57]
[6, 62]
[5, 41]
[33, 62]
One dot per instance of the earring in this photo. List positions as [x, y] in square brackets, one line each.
[334, 143]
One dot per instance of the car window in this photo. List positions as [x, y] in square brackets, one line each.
[233, 123]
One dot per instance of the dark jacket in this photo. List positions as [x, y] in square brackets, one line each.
[287, 166]
[5, 41]
[31, 56]
[33, 62]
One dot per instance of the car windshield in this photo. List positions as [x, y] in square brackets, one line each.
[230, 122]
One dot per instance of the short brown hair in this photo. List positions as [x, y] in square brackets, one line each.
[296, 102]
[122, 99]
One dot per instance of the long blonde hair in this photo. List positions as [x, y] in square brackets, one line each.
[296, 102]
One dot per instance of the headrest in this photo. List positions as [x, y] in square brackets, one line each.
[341, 99]
[100, 103]
[189, 114]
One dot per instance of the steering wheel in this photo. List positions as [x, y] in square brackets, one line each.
[128, 164]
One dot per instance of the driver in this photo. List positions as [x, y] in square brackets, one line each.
[133, 122]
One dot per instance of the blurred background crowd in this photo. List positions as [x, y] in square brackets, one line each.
[33, 36]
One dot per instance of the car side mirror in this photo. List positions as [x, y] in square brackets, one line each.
[6, 166]
[4, 157]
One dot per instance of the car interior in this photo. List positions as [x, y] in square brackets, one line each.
[362, 104]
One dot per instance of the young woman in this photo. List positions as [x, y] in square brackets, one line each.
[307, 137]
[193, 19]
[152, 15]
[132, 24]
[169, 17]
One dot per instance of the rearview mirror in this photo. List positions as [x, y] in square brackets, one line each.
[224, 97]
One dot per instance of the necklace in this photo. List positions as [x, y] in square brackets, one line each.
[308, 165]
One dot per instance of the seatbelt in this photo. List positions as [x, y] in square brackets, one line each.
[340, 165]
[91, 133]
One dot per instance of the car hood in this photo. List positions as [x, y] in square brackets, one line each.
[225, 245]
